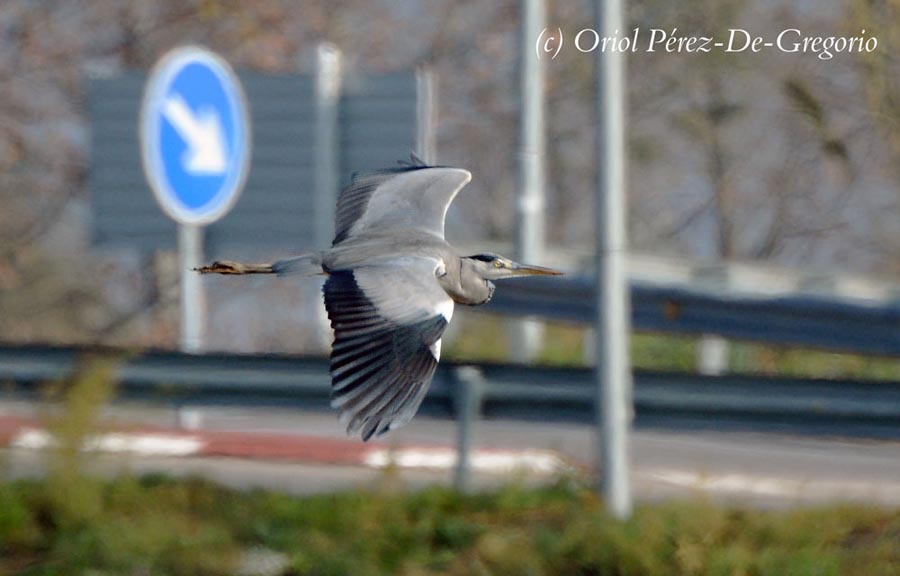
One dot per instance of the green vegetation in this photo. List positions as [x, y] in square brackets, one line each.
[76, 497]
[160, 526]
[483, 337]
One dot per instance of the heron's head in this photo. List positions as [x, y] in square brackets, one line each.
[496, 267]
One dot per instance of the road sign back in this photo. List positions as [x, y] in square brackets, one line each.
[195, 135]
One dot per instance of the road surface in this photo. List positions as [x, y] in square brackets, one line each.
[753, 468]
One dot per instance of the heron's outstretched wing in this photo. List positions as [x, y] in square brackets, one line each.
[388, 319]
[414, 196]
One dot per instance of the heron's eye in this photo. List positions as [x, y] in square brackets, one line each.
[498, 263]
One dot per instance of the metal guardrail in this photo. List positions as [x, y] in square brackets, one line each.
[800, 319]
[837, 407]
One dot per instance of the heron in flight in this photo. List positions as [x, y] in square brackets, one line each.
[392, 283]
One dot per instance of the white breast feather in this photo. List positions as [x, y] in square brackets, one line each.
[445, 306]
[445, 309]
[436, 350]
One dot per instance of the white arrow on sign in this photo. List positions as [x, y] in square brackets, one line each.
[202, 132]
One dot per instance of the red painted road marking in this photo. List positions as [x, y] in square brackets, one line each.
[29, 434]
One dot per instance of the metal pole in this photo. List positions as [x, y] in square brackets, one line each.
[327, 166]
[613, 369]
[425, 115]
[193, 298]
[326, 175]
[525, 337]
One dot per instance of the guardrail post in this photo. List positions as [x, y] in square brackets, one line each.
[712, 349]
[468, 395]
[188, 418]
[712, 355]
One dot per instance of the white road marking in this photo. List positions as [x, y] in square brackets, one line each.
[494, 461]
[727, 483]
[147, 444]
[773, 486]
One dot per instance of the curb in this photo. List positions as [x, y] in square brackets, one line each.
[29, 434]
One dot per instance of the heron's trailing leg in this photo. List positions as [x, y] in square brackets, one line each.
[305, 265]
[230, 267]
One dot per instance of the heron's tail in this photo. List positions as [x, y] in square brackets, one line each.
[303, 265]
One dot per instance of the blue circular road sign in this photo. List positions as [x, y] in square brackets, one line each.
[195, 135]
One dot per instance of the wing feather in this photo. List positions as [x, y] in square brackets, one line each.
[414, 196]
[387, 320]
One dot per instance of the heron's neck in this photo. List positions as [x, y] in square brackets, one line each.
[465, 284]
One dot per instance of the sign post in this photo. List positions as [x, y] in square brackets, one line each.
[195, 146]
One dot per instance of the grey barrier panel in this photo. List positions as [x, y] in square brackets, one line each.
[274, 211]
[377, 119]
[122, 205]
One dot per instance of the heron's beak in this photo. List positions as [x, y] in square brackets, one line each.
[526, 270]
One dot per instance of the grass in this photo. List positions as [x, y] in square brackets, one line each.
[165, 527]
[484, 338]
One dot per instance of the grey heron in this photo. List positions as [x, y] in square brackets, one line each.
[392, 283]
